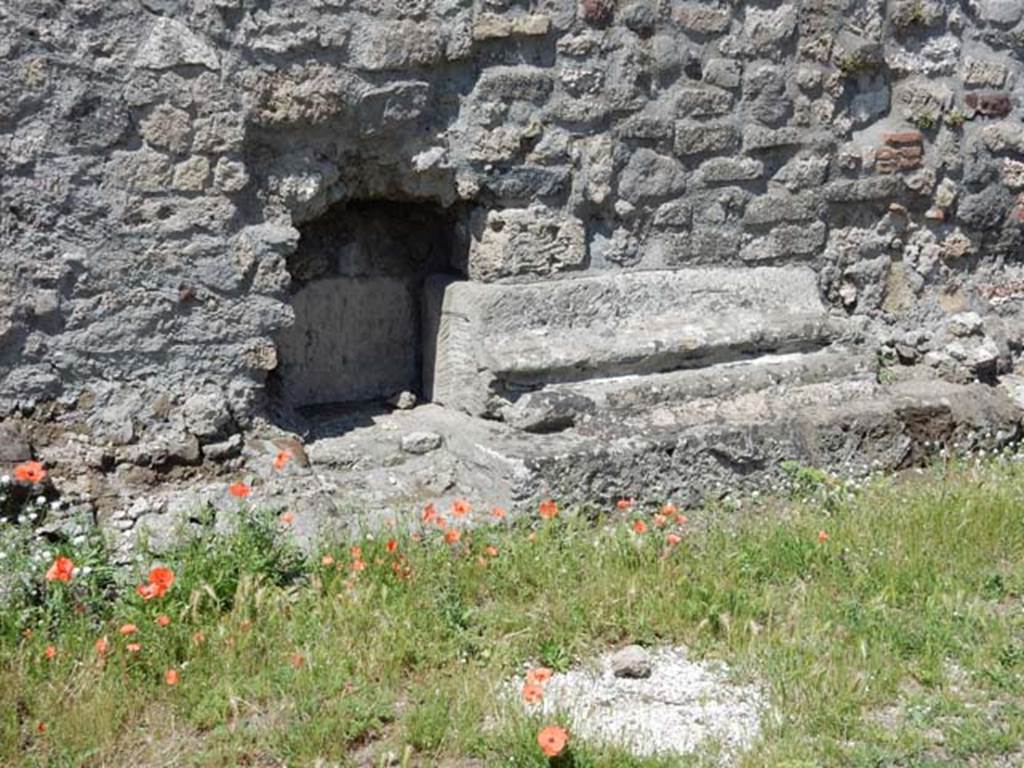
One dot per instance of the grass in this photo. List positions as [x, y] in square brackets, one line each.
[897, 641]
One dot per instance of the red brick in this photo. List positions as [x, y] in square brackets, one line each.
[895, 139]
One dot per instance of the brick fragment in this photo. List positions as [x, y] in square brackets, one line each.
[989, 104]
[898, 138]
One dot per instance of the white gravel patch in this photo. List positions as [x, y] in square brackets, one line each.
[683, 706]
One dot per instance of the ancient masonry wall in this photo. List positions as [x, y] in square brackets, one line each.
[162, 161]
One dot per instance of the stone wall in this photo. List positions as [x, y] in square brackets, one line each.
[160, 160]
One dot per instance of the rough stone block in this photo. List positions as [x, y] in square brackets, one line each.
[393, 106]
[142, 171]
[984, 73]
[702, 102]
[724, 73]
[167, 127]
[493, 339]
[781, 207]
[756, 137]
[650, 175]
[531, 25]
[728, 169]
[491, 26]
[522, 184]
[696, 139]
[524, 241]
[172, 44]
[701, 18]
[646, 127]
[191, 175]
[515, 83]
[1002, 12]
[767, 30]
[787, 242]
[863, 190]
[230, 176]
[385, 45]
[1012, 174]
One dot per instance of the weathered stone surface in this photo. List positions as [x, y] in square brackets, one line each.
[697, 139]
[172, 44]
[491, 337]
[632, 663]
[650, 175]
[163, 189]
[520, 241]
[421, 442]
[387, 45]
[701, 18]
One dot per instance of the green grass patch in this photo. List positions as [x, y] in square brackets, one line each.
[896, 638]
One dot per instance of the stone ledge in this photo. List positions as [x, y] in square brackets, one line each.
[494, 340]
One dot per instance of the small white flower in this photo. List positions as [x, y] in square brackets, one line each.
[86, 570]
[5, 479]
[41, 501]
[32, 516]
[55, 504]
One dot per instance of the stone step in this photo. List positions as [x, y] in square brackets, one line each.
[707, 446]
[680, 451]
[560, 406]
[495, 341]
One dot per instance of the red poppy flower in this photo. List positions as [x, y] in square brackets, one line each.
[171, 677]
[660, 521]
[30, 472]
[639, 526]
[281, 459]
[460, 508]
[669, 510]
[41, 728]
[498, 513]
[673, 538]
[147, 591]
[239, 490]
[198, 638]
[163, 620]
[538, 676]
[491, 551]
[356, 553]
[62, 570]
[327, 561]
[392, 545]
[128, 629]
[133, 647]
[624, 503]
[429, 513]
[358, 565]
[162, 578]
[548, 509]
[288, 518]
[102, 646]
[50, 651]
[533, 694]
[452, 536]
[822, 536]
[298, 660]
[552, 740]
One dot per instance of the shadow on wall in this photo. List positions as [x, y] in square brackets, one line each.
[358, 277]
